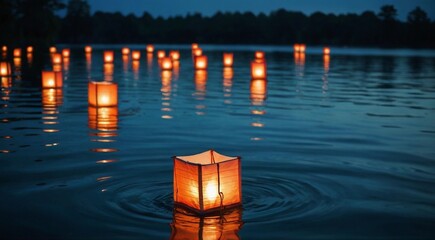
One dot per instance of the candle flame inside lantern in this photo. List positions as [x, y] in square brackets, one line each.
[259, 55]
[125, 51]
[29, 49]
[201, 62]
[150, 48]
[52, 79]
[166, 63]
[88, 49]
[66, 53]
[326, 50]
[258, 70]
[108, 56]
[228, 59]
[135, 55]
[53, 49]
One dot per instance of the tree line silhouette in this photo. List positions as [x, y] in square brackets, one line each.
[35, 22]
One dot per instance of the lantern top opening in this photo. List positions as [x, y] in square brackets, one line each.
[206, 158]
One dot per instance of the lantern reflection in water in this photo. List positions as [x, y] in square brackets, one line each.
[258, 90]
[326, 61]
[228, 59]
[5, 69]
[17, 68]
[88, 57]
[103, 118]
[299, 62]
[135, 65]
[207, 182]
[186, 225]
[258, 70]
[52, 98]
[108, 56]
[108, 69]
[150, 60]
[200, 81]
[176, 69]
[6, 84]
[52, 79]
[103, 94]
[29, 58]
[228, 74]
[166, 94]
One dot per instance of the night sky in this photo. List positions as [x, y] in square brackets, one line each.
[167, 8]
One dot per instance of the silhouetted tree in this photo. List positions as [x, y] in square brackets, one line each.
[388, 16]
[76, 27]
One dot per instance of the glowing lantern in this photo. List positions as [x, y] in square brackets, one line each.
[103, 94]
[4, 48]
[65, 53]
[150, 48]
[259, 55]
[52, 97]
[17, 52]
[302, 48]
[258, 89]
[88, 49]
[258, 70]
[161, 54]
[211, 227]
[53, 49]
[201, 62]
[326, 50]
[166, 63]
[108, 56]
[5, 69]
[56, 58]
[175, 55]
[103, 118]
[125, 51]
[197, 52]
[207, 181]
[195, 46]
[135, 55]
[296, 48]
[29, 49]
[51, 79]
[228, 59]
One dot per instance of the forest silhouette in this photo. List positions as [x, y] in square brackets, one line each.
[36, 22]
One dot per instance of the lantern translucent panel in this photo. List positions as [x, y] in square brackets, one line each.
[186, 189]
[52, 79]
[103, 94]
[5, 69]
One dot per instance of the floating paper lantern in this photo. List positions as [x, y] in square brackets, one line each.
[5, 69]
[195, 46]
[65, 53]
[201, 62]
[52, 79]
[186, 225]
[258, 70]
[326, 50]
[17, 52]
[108, 56]
[4, 48]
[228, 59]
[53, 49]
[197, 52]
[258, 89]
[125, 51]
[296, 47]
[150, 48]
[259, 55]
[29, 49]
[175, 55]
[56, 58]
[161, 54]
[207, 181]
[166, 63]
[88, 49]
[135, 55]
[52, 97]
[103, 118]
[103, 94]
[302, 48]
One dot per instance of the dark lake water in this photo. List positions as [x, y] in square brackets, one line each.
[339, 149]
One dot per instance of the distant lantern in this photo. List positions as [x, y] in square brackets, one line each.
[197, 52]
[53, 49]
[103, 94]
[260, 55]
[166, 63]
[150, 48]
[175, 55]
[210, 227]
[88, 49]
[228, 59]
[4, 48]
[296, 47]
[302, 48]
[201, 62]
[56, 58]
[135, 55]
[125, 51]
[65, 53]
[52, 79]
[29, 49]
[258, 70]
[108, 56]
[103, 118]
[5, 69]
[17, 52]
[326, 50]
[161, 54]
[258, 89]
[207, 181]
[195, 46]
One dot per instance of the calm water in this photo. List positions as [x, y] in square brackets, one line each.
[343, 149]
